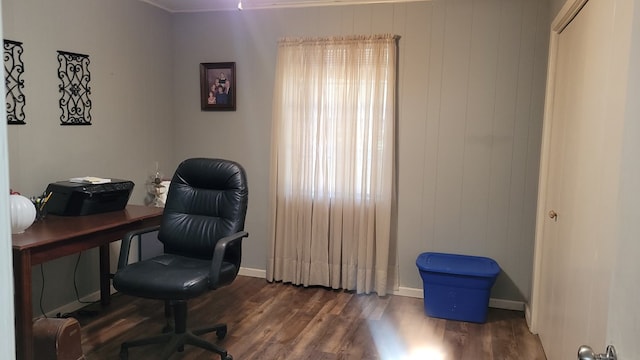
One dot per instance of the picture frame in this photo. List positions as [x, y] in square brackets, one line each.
[218, 86]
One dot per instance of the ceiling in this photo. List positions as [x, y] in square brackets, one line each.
[225, 5]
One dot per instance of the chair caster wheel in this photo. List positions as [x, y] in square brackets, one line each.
[227, 357]
[221, 333]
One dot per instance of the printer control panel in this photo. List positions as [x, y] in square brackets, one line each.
[107, 187]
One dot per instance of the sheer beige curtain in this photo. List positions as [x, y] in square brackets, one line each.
[333, 162]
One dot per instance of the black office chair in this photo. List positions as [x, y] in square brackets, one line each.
[202, 230]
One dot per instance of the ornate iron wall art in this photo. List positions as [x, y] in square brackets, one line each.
[73, 72]
[13, 69]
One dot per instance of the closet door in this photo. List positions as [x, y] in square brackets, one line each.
[579, 216]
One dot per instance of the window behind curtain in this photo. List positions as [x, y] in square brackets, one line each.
[333, 162]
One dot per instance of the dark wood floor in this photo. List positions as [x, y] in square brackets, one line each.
[279, 321]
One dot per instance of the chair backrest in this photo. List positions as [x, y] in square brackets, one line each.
[207, 200]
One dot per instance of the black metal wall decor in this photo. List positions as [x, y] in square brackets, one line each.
[13, 69]
[73, 72]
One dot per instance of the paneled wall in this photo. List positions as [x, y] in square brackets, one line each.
[471, 89]
[130, 64]
[555, 6]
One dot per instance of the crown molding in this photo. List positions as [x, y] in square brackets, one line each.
[185, 6]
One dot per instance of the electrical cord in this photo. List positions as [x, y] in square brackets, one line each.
[42, 291]
[75, 287]
[75, 283]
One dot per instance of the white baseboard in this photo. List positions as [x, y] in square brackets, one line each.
[494, 303]
[258, 273]
[409, 292]
[506, 304]
[74, 305]
[527, 316]
[95, 296]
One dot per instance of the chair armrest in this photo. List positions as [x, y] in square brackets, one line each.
[218, 256]
[123, 258]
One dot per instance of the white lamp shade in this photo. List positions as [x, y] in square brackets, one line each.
[23, 213]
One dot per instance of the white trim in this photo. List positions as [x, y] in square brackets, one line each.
[493, 303]
[542, 181]
[261, 274]
[527, 317]
[7, 323]
[564, 17]
[95, 296]
[566, 14]
[409, 292]
[257, 273]
[74, 305]
[196, 6]
[506, 304]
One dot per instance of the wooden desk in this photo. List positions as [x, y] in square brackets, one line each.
[58, 236]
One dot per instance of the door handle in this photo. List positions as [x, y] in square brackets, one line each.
[586, 353]
[553, 215]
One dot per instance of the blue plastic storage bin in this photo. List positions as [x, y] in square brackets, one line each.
[457, 287]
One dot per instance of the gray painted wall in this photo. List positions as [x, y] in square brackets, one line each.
[555, 6]
[471, 89]
[128, 43]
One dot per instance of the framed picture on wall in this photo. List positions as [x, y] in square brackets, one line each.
[218, 86]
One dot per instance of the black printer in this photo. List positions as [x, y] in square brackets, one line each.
[72, 198]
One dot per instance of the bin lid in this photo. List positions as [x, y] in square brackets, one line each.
[458, 264]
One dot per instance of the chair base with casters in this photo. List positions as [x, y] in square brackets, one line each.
[178, 337]
[174, 275]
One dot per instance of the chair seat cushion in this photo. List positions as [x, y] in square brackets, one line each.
[168, 277]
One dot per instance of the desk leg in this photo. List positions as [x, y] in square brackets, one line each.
[105, 275]
[23, 305]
